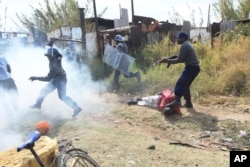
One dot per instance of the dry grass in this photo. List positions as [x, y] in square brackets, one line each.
[224, 69]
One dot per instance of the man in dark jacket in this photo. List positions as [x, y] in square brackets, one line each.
[56, 79]
[189, 57]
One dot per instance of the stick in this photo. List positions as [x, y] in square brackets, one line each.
[61, 39]
[164, 61]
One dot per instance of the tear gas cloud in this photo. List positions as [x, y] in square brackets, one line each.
[26, 61]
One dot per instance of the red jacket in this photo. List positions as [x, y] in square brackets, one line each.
[167, 96]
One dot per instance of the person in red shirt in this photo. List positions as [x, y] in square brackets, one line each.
[158, 101]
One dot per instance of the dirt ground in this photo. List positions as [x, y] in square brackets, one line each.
[118, 135]
[202, 136]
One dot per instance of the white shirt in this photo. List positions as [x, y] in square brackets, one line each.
[4, 74]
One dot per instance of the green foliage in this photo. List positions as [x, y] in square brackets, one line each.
[243, 9]
[150, 54]
[227, 10]
[242, 29]
[225, 68]
[51, 16]
[231, 81]
[233, 35]
[232, 126]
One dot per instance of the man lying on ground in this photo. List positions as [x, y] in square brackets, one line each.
[158, 101]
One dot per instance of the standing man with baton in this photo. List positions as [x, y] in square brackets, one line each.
[188, 56]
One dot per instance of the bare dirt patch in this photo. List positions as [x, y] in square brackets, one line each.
[202, 136]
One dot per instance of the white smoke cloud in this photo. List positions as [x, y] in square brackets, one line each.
[29, 61]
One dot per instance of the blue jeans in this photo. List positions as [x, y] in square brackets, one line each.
[60, 85]
[8, 87]
[182, 87]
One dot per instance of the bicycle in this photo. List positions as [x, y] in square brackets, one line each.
[69, 156]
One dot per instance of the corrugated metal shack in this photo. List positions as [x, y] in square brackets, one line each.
[143, 30]
[225, 25]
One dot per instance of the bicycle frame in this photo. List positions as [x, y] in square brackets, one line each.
[66, 149]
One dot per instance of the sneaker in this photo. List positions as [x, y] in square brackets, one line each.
[138, 76]
[132, 102]
[35, 106]
[115, 87]
[76, 112]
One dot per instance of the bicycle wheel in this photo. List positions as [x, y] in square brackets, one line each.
[77, 158]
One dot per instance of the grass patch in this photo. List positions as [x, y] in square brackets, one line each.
[232, 130]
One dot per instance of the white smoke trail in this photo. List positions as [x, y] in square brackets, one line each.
[29, 61]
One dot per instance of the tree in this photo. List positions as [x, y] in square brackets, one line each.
[176, 17]
[52, 16]
[227, 10]
[244, 9]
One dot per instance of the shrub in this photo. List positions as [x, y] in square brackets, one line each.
[231, 81]
[225, 69]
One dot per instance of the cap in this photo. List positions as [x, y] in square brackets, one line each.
[119, 38]
[182, 35]
[52, 52]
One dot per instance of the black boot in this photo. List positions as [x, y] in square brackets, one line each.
[115, 86]
[138, 76]
[188, 104]
[175, 103]
[135, 74]
[133, 101]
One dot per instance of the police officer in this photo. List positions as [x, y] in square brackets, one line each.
[71, 55]
[188, 56]
[120, 44]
